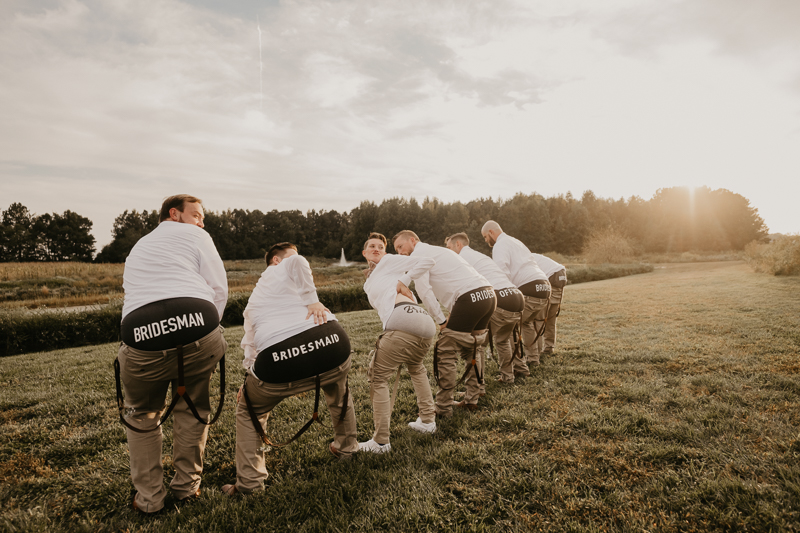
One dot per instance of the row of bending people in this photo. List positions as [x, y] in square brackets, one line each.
[175, 293]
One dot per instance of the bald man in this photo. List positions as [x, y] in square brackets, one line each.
[517, 262]
[510, 304]
[470, 300]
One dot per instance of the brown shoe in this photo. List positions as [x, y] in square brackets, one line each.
[230, 490]
[468, 406]
[338, 454]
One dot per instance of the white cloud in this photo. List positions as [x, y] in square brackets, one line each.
[363, 100]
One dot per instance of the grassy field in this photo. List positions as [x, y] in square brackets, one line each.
[672, 404]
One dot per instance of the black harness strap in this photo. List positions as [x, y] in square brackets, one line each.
[436, 361]
[472, 365]
[180, 393]
[314, 416]
[491, 340]
[517, 336]
[540, 332]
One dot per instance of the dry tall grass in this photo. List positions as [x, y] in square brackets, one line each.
[780, 257]
[79, 271]
[608, 246]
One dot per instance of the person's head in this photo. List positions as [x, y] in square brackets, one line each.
[374, 248]
[491, 231]
[182, 208]
[279, 252]
[405, 242]
[457, 242]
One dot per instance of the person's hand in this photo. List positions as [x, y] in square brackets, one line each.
[239, 394]
[318, 311]
[405, 291]
[442, 326]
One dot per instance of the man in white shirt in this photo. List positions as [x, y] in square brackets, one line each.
[516, 261]
[510, 304]
[557, 275]
[175, 292]
[470, 300]
[290, 340]
[408, 332]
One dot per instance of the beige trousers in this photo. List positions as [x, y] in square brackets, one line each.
[547, 342]
[397, 348]
[452, 346]
[146, 377]
[533, 318]
[502, 324]
[251, 470]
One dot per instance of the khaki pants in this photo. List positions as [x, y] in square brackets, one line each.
[251, 470]
[452, 346]
[503, 323]
[145, 377]
[396, 348]
[547, 342]
[533, 318]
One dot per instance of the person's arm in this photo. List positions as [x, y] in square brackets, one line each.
[213, 271]
[417, 266]
[248, 342]
[299, 272]
[429, 299]
[502, 258]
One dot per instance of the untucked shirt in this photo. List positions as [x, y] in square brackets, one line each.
[175, 260]
[381, 285]
[548, 266]
[486, 268]
[516, 261]
[448, 279]
[278, 306]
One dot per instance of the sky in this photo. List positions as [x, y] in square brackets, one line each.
[108, 105]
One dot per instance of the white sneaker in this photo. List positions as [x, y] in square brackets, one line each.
[374, 447]
[422, 427]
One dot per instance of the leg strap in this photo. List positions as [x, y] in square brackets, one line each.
[314, 416]
[491, 341]
[180, 393]
[517, 336]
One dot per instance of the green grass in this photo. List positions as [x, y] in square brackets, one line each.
[672, 404]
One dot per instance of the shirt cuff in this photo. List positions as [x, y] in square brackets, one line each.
[405, 279]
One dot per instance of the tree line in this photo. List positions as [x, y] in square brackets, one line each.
[48, 237]
[676, 219]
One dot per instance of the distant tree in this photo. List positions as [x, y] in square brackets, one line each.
[527, 218]
[65, 237]
[683, 219]
[128, 228]
[19, 242]
[360, 222]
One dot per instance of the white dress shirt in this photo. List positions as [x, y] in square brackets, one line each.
[381, 285]
[548, 266]
[516, 261]
[278, 306]
[175, 260]
[486, 268]
[448, 279]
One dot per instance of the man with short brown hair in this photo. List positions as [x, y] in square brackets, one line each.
[292, 343]
[175, 293]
